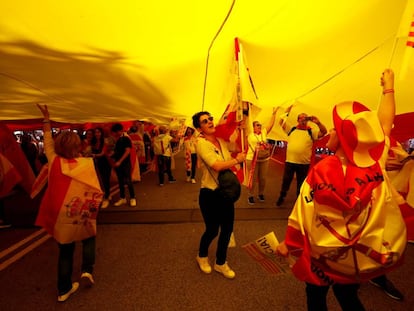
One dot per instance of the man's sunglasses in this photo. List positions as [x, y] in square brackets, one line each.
[205, 121]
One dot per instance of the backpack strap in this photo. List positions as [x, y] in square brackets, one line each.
[309, 131]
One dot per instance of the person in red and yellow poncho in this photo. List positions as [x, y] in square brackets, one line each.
[346, 227]
[70, 205]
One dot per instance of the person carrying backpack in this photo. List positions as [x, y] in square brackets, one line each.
[299, 151]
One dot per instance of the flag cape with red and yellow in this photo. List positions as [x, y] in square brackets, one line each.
[70, 204]
[345, 227]
[9, 176]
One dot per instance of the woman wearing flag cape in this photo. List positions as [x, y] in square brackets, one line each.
[70, 205]
[346, 227]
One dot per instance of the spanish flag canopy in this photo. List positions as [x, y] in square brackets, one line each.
[99, 61]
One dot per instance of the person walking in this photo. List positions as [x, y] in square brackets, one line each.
[163, 152]
[70, 205]
[217, 212]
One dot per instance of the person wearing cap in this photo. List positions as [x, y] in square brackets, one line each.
[346, 227]
[299, 151]
[256, 140]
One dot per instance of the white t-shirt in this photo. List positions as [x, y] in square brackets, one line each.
[253, 139]
[162, 145]
[208, 155]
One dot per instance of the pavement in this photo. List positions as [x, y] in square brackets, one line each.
[145, 258]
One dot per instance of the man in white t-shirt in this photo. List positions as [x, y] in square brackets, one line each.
[257, 140]
[163, 151]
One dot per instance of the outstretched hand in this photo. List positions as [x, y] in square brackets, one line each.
[43, 109]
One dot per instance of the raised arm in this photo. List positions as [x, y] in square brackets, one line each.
[272, 120]
[386, 108]
[49, 144]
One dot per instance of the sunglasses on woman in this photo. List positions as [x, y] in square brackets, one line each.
[205, 121]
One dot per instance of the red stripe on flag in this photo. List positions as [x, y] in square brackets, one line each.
[410, 41]
[236, 48]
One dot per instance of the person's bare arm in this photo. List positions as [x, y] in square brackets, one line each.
[386, 108]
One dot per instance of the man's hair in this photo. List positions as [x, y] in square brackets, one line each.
[68, 145]
[196, 118]
[117, 127]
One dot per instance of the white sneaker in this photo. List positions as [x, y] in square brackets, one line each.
[87, 279]
[203, 264]
[225, 270]
[64, 297]
[120, 202]
[105, 203]
[133, 202]
[193, 181]
[188, 178]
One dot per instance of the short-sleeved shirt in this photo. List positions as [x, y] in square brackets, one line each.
[209, 154]
[120, 146]
[253, 139]
[299, 145]
[162, 145]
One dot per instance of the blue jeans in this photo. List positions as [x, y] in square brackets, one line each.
[217, 214]
[65, 262]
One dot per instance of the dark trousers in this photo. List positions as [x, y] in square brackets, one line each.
[104, 169]
[65, 262]
[193, 166]
[346, 294]
[218, 214]
[123, 172]
[301, 171]
[164, 166]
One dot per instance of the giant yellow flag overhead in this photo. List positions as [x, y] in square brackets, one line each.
[120, 60]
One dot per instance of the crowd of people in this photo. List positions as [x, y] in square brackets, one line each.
[359, 145]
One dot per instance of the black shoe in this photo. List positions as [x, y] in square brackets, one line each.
[280, 201]
[250, 200]
[388, 288]
[261, 197]
[172, 180]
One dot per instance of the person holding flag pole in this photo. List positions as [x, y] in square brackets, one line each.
[217, 211]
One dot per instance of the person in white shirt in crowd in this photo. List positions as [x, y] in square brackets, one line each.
[257, 140]
[163, 151]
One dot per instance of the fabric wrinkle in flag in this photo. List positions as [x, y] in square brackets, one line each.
[71, 202]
